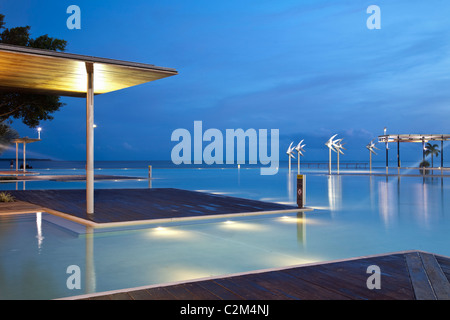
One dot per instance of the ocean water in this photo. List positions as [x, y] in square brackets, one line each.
[354, 215]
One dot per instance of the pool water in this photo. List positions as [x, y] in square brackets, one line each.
[354, 215]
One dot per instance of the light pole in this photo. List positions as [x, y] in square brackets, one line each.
[39, 129]
[371, 147]
[387, 150]
[331, 145]
[299, 149]
[290, 155]
[338, 146]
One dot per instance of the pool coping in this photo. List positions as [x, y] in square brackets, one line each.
[97, 225]
[252, 272]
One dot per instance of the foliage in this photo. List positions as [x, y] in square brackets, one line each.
[433, 150]
[424, 164]
[6, 197]
[7, 134]
[30, 108]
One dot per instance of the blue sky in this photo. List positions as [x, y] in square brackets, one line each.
[307, 68]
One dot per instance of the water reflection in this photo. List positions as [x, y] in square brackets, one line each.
[386, 199]
[39, 235]
[290, 186]
[301, 228]
[418, 201]
[90, 280]
[334, 192]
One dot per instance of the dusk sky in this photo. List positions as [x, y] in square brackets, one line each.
[308, 68]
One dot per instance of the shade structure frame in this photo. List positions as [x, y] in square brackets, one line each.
[24, 141]
[64, 74]
[413, 138]
[31, 70]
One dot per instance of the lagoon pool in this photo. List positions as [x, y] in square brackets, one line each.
[354, 215]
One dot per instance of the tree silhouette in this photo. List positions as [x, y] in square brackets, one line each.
[433, 150]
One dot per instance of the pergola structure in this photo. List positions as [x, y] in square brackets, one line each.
[417, 138]
[31, 70]
[24, 141]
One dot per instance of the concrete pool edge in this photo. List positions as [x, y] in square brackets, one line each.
[248, 273]
[96, 225]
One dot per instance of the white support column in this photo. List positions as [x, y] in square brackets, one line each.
[329, 161]
[17, 156]
[90, 138]
[24, 157]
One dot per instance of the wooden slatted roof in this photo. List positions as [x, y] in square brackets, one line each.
[60, 73]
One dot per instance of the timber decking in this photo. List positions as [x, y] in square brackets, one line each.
[412, 275]
[18, 207]
[125, 205]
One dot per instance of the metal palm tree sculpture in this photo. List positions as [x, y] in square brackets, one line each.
[331, 144]
[338, 145]
[300, 151]
[371, 147]
[289, 152]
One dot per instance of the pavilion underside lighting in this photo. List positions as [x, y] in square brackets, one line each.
[49, 72]
[31, 70]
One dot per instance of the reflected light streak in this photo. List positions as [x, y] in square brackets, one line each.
[184, 272]
[291, 219]
[247, 226]
[39, 235]
[172, 233]
[334, 192]
[386, 203]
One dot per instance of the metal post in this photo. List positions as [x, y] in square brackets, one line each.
[149, 177]
[398, 152]
[338, 162]
[423, 156]
[329, 161]
[17, 156]
[423, 150]
[90, 138]
[387, 155]
[24, 157]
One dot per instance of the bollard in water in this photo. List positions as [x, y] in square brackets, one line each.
[301, 190]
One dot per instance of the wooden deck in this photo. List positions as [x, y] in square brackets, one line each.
[19, 207]
[410, 275]
[137, 205]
